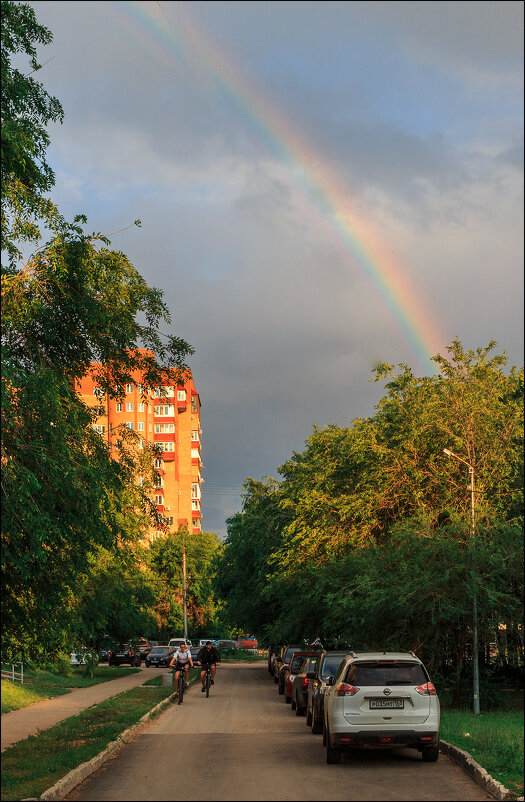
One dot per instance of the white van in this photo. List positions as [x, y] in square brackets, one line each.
[174, 643]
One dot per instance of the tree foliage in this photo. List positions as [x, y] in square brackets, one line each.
[367, 541]
[26, 111]
[73, 302]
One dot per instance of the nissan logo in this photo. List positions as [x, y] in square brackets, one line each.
[387, 691]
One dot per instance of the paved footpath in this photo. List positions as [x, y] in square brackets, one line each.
[19, 724]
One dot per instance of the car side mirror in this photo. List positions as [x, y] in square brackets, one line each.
[310, 675]
[330, 681]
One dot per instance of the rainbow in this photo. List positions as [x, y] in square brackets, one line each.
[170, 38]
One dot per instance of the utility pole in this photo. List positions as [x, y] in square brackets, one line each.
[475, 656]
[184, 605]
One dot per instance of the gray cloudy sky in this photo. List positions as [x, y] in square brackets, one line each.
[224, 127]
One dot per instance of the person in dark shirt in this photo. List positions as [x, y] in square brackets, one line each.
[208, 657]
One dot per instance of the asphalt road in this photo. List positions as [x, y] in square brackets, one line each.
[244, 743]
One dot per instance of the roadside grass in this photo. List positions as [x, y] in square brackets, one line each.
[229, 655]
[494, 739]
[39, 685]
[31, 766]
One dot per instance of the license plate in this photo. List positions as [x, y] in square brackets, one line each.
[386, 704]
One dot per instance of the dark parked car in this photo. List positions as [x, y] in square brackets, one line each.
[282, 661]
[296, 664]
[301, 682]
[326, 667]
[144, 648]
[159, 656]
[224, 643]
[125, 653]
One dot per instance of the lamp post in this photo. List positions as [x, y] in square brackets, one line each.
[184, 605]
[475, 659]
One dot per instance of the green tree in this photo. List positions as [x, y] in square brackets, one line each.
[74, 301]
[164, 559]
[244, 566]
[26, 110]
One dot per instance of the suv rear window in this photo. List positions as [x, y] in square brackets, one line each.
[296, 664]
[382, 673]
[330, 665]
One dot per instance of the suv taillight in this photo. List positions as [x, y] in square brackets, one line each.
[346, 690]
[427, 689]
[130, 653]
[306, 682]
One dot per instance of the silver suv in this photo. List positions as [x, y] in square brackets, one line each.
[383, 700]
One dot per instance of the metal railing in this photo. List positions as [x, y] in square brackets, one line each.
[14, 676]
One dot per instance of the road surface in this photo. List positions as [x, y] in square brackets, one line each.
[244, 743]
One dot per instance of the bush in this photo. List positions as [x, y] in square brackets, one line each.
[60, 664]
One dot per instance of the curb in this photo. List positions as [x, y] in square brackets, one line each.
[66, 784]
[477, 772]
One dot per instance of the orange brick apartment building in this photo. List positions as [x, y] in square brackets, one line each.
[170, 418]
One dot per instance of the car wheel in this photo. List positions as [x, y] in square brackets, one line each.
[281, 689]
[317, 726]
[299, 710]
[308, 718]
[333, 755]
[276, 679]
[287, 699]
[430, 754]
[294, 706]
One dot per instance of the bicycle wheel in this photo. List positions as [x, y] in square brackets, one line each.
[208, 680]
[181, 686]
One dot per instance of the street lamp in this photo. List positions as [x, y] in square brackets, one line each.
[475, 661]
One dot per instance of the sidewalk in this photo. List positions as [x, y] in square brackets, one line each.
[20, 724]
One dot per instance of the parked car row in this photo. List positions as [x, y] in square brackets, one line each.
[360, 700]
[152, 653]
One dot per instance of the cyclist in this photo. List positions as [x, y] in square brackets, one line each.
[208, 657]
[181, 661]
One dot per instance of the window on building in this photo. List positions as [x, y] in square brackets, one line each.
[119, 407]
[159, 481]
[99, 410]
[141, 443]
[98, 428]
[141, 481]
[158, 462]
[169, 520]
[194, 404]
[129, 406]
[168, 411]
[98, 392]
[195, 505]
[170, 392]
[195, 491]
[140, 426]
[129, 424]
[166, 446]
[195, 453]
[181, 395]
[159, 499]
[164, 428]
[195, 435]
[129, 388]
[141, 406]
[140, 389]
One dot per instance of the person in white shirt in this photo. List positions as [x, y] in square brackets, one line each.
[181, 660]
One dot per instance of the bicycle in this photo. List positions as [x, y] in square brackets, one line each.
[181, 685]
[207, 681]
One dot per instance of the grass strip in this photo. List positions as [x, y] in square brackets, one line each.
[39, 685]
[495, 741]
[31, 766]
[233, 655]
